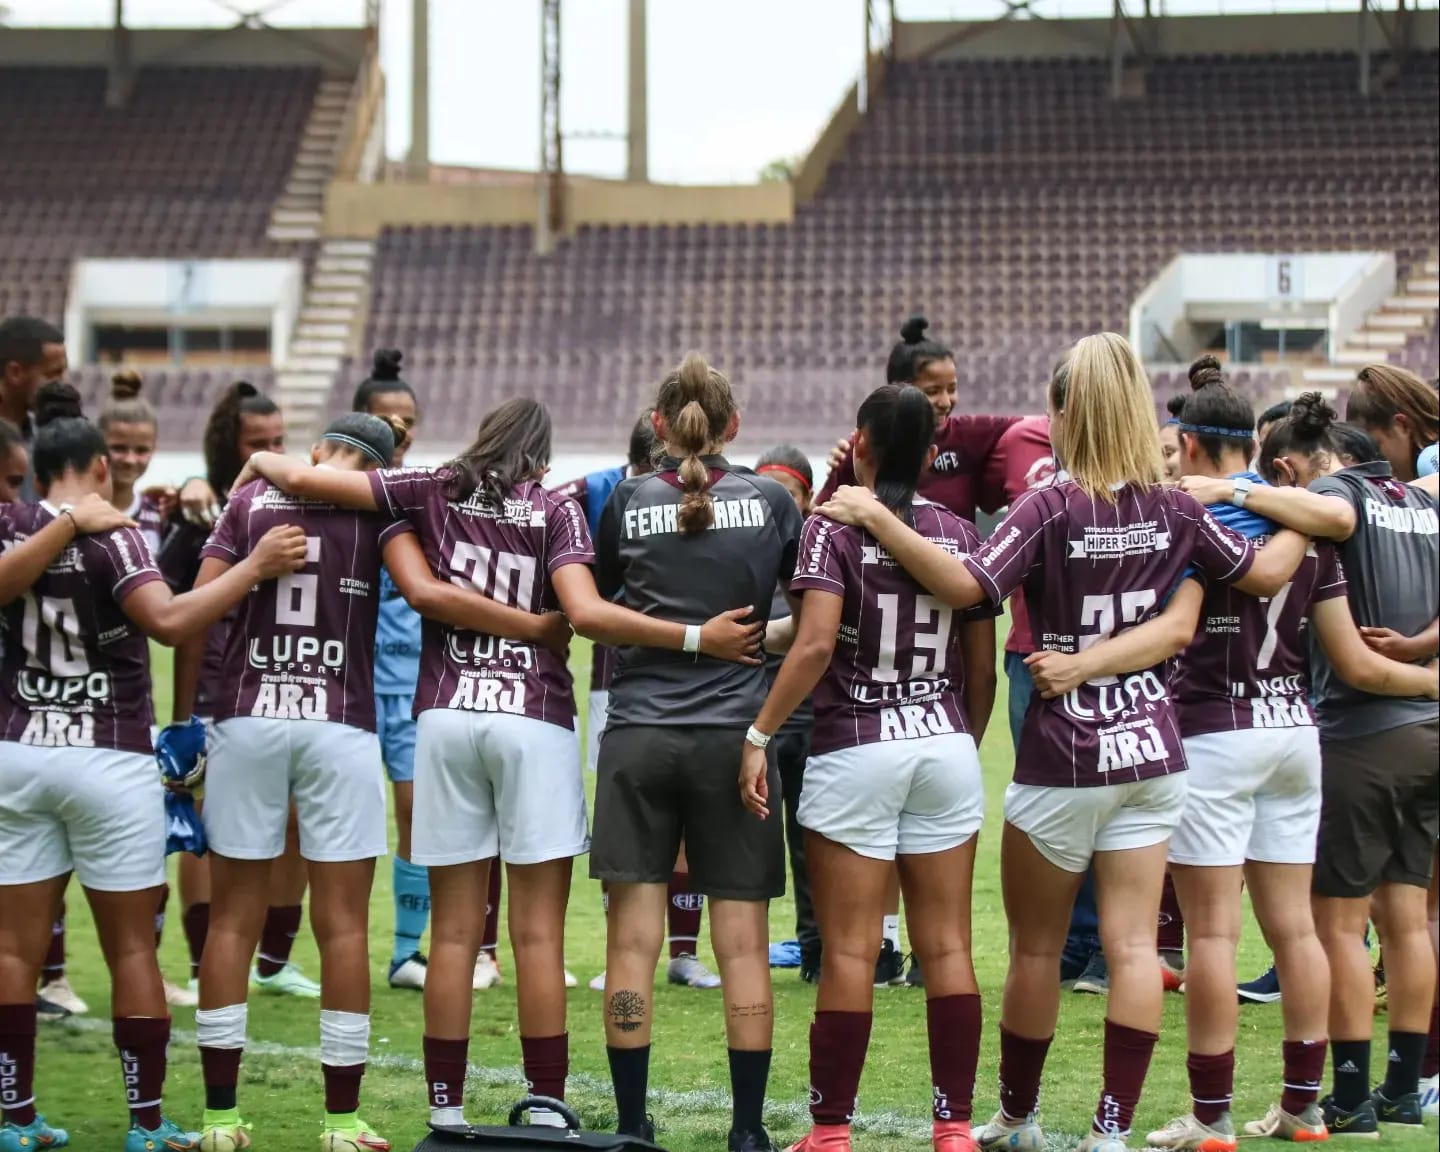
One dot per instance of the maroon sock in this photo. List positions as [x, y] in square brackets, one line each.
[838, 1041]
[1022, 1062]
[282, 925]
[342, 1087]
[17, 1063]
[1127, 1059]
[142, 1041]
[547, 1063]
[1212, 1084]
[445, 1071]
[54, 966]
[220, 1069]
[1170, 936]
[683, 916]
[160, 915]
[1304, 1067]
[196, 921]
[953, 1024]
[490, 938]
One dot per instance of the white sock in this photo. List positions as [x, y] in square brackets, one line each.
[447, 1117]
[891, 930]
[344, 1037]
[221, 1027]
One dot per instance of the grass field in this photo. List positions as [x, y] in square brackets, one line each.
[79, 1081]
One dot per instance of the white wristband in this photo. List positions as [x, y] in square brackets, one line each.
[757, 738]
[692, 638]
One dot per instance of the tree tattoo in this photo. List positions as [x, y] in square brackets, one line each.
[627, 1009]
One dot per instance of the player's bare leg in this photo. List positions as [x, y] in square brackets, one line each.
[456, 892]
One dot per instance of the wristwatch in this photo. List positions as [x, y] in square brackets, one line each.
[1242, 484]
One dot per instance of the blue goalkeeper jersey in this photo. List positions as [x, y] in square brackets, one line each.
[397, 642]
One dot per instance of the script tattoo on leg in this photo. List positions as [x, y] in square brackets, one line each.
[627, 1010]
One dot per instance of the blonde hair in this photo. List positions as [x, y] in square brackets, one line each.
[1107, 437]
[1384, 391]
[696, 403]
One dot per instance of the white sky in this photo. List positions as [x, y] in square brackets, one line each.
[733, 84]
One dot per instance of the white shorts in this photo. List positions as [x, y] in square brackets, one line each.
[595, 727]
[255, 769]
[488, 784]
[1069, 825]
[910, 796]
[93, 811]
[1254, 795]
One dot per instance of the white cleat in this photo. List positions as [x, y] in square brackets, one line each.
[59, 992]
[688, 972]
[487, 972]
[181, 995]
[409, 973]
[1008, 1135]
[598, 983]
[1430, 1097]
[1187, 1134]
[571, 980]
[289, 981]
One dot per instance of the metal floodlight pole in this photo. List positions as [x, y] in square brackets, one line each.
[862, 85]
[551, 215]
[417, 161]
[637, 144]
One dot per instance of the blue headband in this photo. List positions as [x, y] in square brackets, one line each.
[1169, 422]
[1213, 430]
[359, 445]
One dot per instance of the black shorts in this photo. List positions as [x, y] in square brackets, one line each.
[1380, 810]
[661, 784]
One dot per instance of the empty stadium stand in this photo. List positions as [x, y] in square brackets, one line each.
[1013, 202]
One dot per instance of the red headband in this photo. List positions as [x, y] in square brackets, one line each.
[804, 483]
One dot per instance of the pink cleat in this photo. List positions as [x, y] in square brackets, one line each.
[953, 1136]
[824, 1138]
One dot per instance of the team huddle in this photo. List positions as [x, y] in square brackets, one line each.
[1222, 669]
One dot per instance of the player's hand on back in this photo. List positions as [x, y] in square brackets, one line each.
[93, 513]
[840, 451]
[851, 504]
[1395, 645]
[728, 637]
[248, 475]
[1208, 489]
[555, 633]
[1056, 673]
[280, 551]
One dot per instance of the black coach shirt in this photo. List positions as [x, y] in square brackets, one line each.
[642, 554]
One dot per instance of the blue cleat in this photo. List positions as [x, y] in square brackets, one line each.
[169, 1137]
[32, 1137]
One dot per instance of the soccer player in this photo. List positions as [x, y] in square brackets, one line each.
[894, 773]
[14, 462]
[696, 537]
[497, 756]
[1170, 438]
[32, 354]
[1401, 411]
[1378, 754]
[78, 770]
[1100, 769]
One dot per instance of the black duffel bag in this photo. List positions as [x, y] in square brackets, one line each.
[532, 1138]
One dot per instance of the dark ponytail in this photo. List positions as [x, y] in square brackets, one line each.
[914, 353]
[222, 432]
[1307, 431]
[65, 440]
[511, 445]
[1215, 416]
[384, 378]
[899, 424]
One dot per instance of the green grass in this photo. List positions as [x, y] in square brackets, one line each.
[79, 1082]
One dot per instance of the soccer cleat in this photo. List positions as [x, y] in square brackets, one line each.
[1172, 970]
[1104, 1142]
[169, 1137]
[571, 980]
[487, 972]
[824, 1138]
[645, 1131]
[597, 983]
[289, 981]
[1188, 1133]
[688, 972]
[32, 1137]
[353, 1136]
[48, 1012]
[409, 972]
[1264, 989]
[952, 1136]
[742, 1140]
[1430, 1096]
[181, 996]
[1357, 1124]
[223, 1132]
[1095, 980]
[1002, 1133]
[1306, 1128]
[889, 966]
[1404, 1111]
[914, 978]
[58, 991]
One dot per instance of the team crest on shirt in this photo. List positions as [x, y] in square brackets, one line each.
[946, 463]
[1116, 543]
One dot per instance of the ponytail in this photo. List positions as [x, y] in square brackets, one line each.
[697, 405]
[222, 432]
[899, 423]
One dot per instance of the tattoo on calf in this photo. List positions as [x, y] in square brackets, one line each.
[760, 1008]
[627, 1010]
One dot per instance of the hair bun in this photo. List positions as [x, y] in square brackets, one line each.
[385, 365]
[1206, 371]
[244, 389]
[125, 384]
[913, 330]
[397, 429]
[1311, 415]
[57, 401]
[1175, 405]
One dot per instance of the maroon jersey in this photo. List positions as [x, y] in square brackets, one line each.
[145, 511]
[508, 554]
[75, 672]
[179, 560]
[963, 445]
[1023, 459]
[1247, 666]
[303, 647]
[1090, 569]
[897, 672]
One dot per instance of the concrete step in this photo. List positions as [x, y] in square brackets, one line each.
[296, 216]
[302, 381]
[319, 346]
[1431, 268]
[313, 330]
[332, 297]
[1413, 303]
[1367, 338]
[1412, 321]
[292, 232]
[330, 263]
[327, 101]
[314, 188]
[319, 365]
[310, 202]
[1424, 286]
[313, 315]
[1358, 357]
[314, 390]
[314, 158]
[348, 248]
[312, 173]
[328, 280]
[1323, 379]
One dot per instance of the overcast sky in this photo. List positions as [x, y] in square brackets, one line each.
[733, 85]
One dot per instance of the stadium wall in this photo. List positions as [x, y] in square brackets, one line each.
[1257, 35]
[338, 51]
